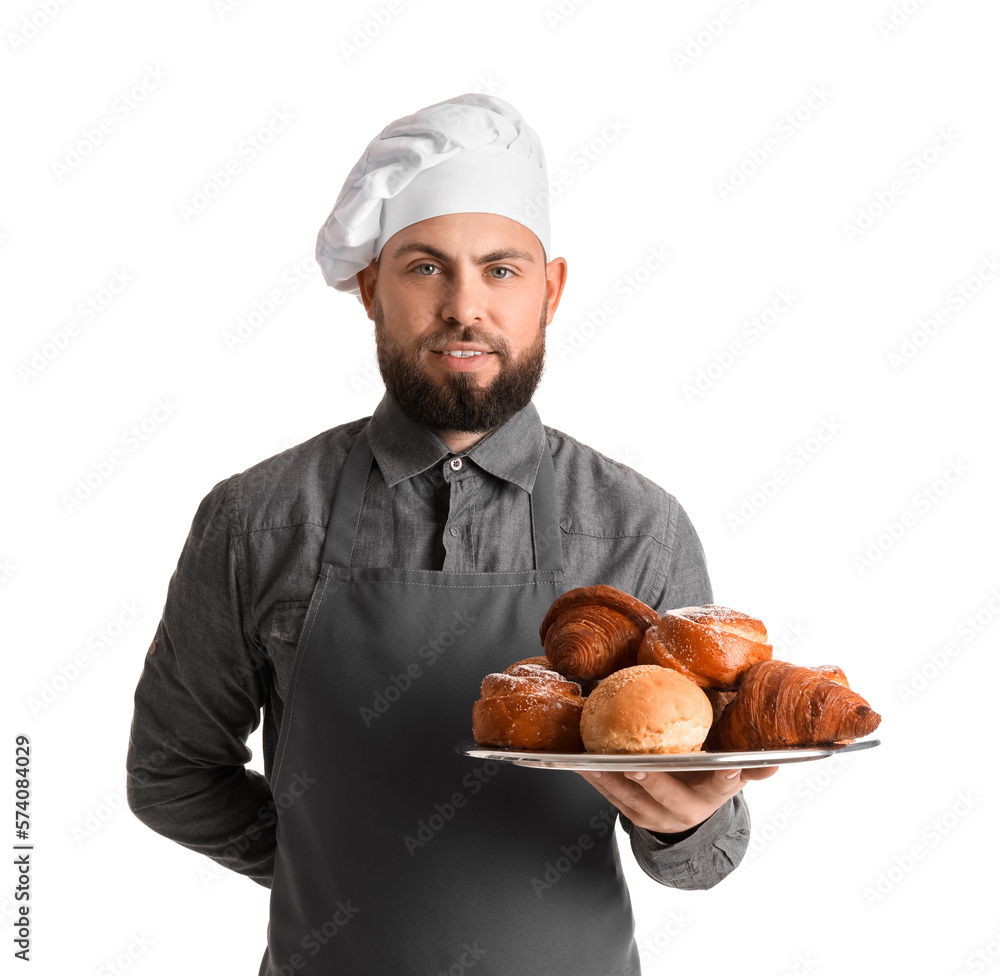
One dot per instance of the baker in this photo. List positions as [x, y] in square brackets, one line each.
[356, 588]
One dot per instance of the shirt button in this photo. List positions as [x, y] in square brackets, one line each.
[453, 531]
[455, 464]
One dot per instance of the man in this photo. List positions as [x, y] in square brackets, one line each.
[358, 587]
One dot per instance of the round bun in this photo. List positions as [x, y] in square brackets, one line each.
[711, 645]
[528, 707]
[646, 709]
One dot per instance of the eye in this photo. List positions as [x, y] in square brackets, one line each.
[426, 270]
[502, 274]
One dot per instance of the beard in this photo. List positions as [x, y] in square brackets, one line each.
[458, 403]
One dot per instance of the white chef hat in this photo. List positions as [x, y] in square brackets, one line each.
[469, 154]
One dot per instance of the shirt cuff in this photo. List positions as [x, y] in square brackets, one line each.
[700, 857]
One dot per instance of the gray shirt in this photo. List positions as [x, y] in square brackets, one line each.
[224, 649]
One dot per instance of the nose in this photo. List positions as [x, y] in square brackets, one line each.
[463, 300]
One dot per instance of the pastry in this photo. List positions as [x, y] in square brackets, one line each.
[780, 705]
[541, 661]
[834, 673]
[593, 631]
[646, 709]
[711, 645]
[528, 707]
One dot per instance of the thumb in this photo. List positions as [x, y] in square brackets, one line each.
[758, 772]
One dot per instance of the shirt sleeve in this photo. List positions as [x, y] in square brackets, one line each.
[699, 858]
[703, 856]
[686, 582]
[197, 701]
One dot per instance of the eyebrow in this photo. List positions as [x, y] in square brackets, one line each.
[501, 254]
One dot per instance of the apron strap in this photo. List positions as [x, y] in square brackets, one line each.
[342, 529]
[545, 517]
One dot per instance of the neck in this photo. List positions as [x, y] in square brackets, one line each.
[458, 441]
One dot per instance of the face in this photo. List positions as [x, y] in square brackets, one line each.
[460, 305]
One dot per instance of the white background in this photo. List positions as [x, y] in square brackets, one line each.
[841, 467]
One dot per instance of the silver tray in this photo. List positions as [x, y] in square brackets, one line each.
[690, 761]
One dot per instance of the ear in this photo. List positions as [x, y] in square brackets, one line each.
[555, 281]
[366, 283]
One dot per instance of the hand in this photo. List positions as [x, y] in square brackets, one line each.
[670, 803]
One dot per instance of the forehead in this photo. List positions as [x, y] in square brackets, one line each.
[464, 235]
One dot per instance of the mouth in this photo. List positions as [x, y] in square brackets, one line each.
[463, 357]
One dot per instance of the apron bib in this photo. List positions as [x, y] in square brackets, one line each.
[396, 855]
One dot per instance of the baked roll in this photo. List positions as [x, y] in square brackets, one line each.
[711, 645]
[540, 661]
[646, 709]
[528, 707]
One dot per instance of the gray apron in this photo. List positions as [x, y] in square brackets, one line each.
[397, 855]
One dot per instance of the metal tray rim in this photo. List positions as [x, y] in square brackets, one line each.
[691, 761]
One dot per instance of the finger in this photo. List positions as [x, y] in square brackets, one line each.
[759, 772]
[619, 791]
[667, 802]
[612, 786]
[689, 801]
[671, 804]
[630, 797]
[674, 790]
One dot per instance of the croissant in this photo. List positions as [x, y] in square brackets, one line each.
[779, 704]
[593, 631]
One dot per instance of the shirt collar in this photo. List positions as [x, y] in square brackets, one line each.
[403, 448]
[512, 452]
